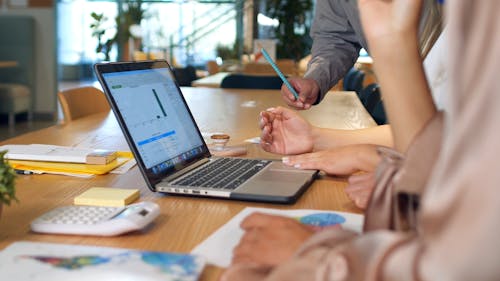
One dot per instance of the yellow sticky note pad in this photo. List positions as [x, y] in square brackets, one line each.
[107, 196]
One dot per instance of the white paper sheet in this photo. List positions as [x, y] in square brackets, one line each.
[46, 152]
[217, 249]
[122, 169]
[35, 261]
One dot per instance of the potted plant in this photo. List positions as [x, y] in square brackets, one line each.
[131, 14]
[293, 29]
[7, 185]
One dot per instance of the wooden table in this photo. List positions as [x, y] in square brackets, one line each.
[210, 81]
[184, 222]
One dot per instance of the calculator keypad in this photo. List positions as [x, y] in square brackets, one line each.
[80, 214]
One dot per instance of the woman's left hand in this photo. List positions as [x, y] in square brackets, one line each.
[344, 160]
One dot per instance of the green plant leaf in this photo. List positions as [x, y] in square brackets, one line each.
[7, 181]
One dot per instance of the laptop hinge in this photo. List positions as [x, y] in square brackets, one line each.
[186, 170]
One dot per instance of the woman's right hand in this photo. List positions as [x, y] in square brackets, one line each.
[283, 131]
[388, 23]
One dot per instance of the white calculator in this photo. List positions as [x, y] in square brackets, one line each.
[96, 220]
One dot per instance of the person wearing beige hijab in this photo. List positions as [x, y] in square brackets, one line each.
[436, 200]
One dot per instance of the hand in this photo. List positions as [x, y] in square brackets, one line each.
[307, 89]
[283, 131]
[360, 188]
[269, 239]
[383, 20]
[343, 160]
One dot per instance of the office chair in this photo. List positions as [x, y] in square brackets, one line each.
[185, 75]
[83, 101]
[243, 81]
[353, 80]
[212, 67]
[371, 99]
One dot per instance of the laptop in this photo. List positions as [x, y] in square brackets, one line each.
[170, 150]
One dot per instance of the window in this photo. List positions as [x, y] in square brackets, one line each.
[187, 31]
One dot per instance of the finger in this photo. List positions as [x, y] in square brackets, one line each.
[352, 188]
[263, 121]
[302, 96]
[245, 247]
[286, 161]
[240, 256]
[267, 129]
[362, 202]
[266, 146]
[291, 96]
[277, 111]
[363, 191]
[357, 178]
[298, 104]
[295, 106]
[298, 89]
[265, 135]
[307, 165]
[282, 113]
[287, 95]
[259, 220]
[357, 190]
[290, 100]
[267, 116]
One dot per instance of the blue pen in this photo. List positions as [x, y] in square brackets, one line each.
[280, 74]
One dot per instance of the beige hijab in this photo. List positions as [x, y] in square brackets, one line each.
[457, 222]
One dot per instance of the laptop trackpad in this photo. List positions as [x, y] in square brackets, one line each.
[276, 183]
[274, 176]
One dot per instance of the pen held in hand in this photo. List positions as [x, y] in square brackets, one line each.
[280, 74]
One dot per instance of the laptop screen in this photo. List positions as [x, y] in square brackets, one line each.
[156, 118]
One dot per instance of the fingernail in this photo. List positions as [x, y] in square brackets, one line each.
[285, 160]
[296, 166]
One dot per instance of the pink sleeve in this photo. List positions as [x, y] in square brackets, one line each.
[338, 254]
[390, 221]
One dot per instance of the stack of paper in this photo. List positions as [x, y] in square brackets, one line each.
[40, 158]
[57, 153]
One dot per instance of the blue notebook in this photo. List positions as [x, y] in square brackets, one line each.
[49, 261]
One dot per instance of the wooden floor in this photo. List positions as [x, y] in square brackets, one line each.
[22, 125]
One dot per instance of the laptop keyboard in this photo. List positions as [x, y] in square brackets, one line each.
[223, 173]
